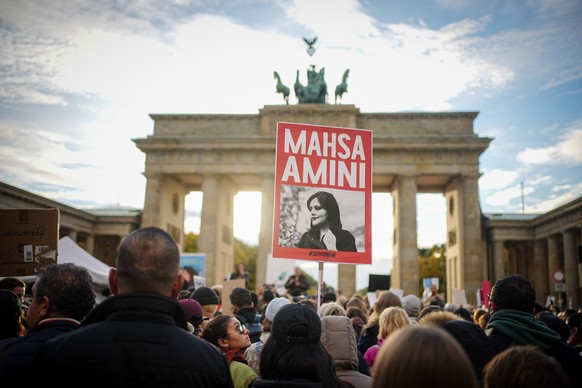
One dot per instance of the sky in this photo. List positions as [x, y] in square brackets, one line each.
[78, 80]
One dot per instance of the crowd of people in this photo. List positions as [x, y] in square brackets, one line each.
[152, 332]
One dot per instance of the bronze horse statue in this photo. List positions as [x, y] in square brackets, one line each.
[316, 89]
[343, 87]
[282, 88]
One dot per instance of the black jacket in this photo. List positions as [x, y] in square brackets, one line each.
[17, 354]
[132, 340]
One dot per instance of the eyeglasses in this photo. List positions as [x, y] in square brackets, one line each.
[238, 328]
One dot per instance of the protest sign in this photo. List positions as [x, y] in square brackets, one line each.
[323, 194]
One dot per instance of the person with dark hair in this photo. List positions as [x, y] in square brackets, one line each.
[524, 366]
[137, 337]
[293, 355]
[244, 310]
[329, 297]
[188, 272]
[11, 315]
[267, 297]
[555, 323]
[15, 285]
[358, 319]
[468, 334]
[431, 308]
[574, 322]
[240, 272]
[512, 322]
[62, 296]
[326, 231]
[232, 338]
[464, 313]
[297, 283]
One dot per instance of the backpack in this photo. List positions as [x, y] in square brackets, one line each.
[255, 328]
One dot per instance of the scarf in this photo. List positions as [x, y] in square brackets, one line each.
[234, 354]
[523, 328]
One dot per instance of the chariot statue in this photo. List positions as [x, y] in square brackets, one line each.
[315, 92]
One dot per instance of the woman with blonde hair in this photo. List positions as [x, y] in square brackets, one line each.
[369, 335]
[422, 356]
[391, 319]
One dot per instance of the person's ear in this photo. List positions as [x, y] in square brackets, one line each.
[44, 307]
[113, 281]
[223, 343]
[492, 306]
[177, 286]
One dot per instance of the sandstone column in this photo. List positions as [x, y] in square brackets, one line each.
[405, 274]
[498, 261]
[151, 208]
[571, 268]
[216, 227]
[266, 233]
[540, 264]
[553, 260]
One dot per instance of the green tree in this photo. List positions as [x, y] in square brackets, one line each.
[432, 263]
[191, 242]
[242, 253]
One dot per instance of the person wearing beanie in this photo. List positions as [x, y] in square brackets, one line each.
[412, 305]
[253, 353]
[194, 314]
[208, 298]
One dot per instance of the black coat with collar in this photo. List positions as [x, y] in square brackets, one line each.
[133, 340]
[17, 354]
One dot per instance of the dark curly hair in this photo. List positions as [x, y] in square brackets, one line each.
[69, 287]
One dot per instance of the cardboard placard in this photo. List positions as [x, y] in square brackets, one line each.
[29, 240]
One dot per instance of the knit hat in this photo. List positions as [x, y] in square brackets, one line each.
[192, 309]
[274, 306]
[412, 305]
[473, 339]
[241, 297]
[205, 296]
[556, 324]
[297, 324]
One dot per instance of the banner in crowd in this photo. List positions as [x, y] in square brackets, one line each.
[323, 194]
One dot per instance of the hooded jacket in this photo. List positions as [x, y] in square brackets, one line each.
[339, 339]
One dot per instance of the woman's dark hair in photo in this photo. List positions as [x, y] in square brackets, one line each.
[329, 203]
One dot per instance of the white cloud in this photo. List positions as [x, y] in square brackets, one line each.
[497, 179]
[504, 197]
[565, 151]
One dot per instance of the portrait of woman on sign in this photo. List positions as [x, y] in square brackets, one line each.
[325, 226]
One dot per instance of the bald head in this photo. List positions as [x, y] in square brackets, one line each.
[148, 261]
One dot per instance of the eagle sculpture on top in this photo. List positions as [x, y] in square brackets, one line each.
[310, 43]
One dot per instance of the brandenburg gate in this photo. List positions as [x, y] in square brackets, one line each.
[221, 154]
